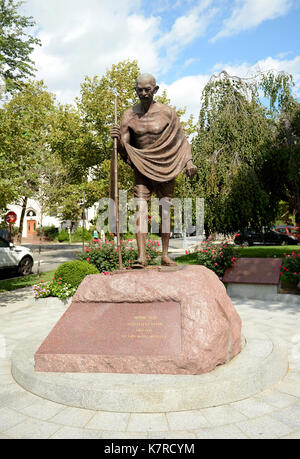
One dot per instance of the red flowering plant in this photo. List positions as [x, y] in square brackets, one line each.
[217, 257]
[290, 268]
[104, 255]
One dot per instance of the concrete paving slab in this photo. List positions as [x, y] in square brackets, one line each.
[31, 428]
[272, 318]
[264, 427]
[73, 433]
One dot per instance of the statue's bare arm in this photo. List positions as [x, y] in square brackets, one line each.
[122, 134]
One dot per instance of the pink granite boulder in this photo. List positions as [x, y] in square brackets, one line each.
[145, 321]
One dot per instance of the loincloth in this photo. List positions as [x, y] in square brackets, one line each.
[144, 187]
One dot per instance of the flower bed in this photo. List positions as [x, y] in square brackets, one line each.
[290, 268]
[54, 288]
[217, 257]
[98, 258]
[104, 255]
[67, 278]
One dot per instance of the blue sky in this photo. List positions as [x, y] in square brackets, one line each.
[181, 42]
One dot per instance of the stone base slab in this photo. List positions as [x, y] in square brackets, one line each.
[253, 291]
[261, 364]
[265, 271]
[145, 322]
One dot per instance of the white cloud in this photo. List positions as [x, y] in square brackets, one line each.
[86, 39]
[190, 61]
[250, 13]
[79, 40]
[190, 26]
[186, 92]
[246, 70]
[263, 65]
[186, 29]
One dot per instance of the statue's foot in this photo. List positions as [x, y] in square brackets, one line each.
[166, 261]
[140, 263]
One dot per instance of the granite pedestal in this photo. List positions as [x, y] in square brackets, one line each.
[145, 322]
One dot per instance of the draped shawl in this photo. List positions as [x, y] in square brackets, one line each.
[166, 157]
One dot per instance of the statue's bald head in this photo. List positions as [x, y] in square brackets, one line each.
[146, 87]
[146, 77]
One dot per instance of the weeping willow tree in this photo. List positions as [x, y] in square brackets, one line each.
[235, 135]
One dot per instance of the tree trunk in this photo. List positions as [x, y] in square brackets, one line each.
[20, 233]
[297, 210]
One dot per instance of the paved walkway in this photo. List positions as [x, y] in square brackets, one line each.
[272, 414]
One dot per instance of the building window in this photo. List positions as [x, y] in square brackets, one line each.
[31, 213]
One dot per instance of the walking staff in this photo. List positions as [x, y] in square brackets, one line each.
[115, 191]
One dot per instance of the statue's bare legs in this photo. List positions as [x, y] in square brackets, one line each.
[165, 259]
[141, 232]
[165, 215]
[141, 244]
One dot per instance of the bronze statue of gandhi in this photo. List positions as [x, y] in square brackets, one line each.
[151, 140]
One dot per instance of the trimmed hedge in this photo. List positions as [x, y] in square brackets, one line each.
[63, 236]
[73, 272]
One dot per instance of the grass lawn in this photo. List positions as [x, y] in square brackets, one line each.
[251, 252]
[273, 251]
[27, 281]
[268, 251]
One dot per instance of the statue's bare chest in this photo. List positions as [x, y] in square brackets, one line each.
[150, 124]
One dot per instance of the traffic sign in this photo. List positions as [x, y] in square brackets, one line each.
[11, 218]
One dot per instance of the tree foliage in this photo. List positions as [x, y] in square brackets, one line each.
[24, 126]
[281, 170]
[235, 138]
[16, 44]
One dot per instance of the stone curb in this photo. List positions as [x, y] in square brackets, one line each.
[261, 364]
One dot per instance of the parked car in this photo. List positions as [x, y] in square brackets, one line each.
[290, 230]
[176, 235]
[263, 236]
[15, 257]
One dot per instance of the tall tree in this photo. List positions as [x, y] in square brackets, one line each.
[229, 149]
[281, 169]
[24, 129]
[16, 44]
[71, 140]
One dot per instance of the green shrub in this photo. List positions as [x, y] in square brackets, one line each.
[105, 255]
[217, 257]
[63, 236]
[73, 272]
[50, 232]
[290, 268]
[77, 235]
